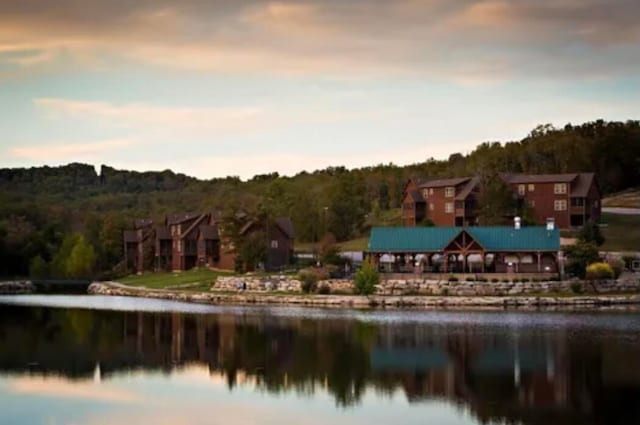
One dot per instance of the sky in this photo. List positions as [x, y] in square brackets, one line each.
[212, 88]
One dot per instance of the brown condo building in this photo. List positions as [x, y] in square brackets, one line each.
[570, 200]
[446, 202]
[185, 241]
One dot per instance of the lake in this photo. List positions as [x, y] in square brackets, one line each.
[105, 360]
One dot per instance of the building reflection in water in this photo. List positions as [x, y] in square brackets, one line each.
[529, 375]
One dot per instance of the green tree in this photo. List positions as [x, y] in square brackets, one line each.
[497, 204]
[346, 210]
[38, 268]
[579, 256]
[590, 232]
[366, 278]
[81, 259]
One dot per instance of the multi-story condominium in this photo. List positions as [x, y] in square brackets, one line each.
[570, 200]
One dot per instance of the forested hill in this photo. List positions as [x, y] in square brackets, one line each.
[38, 206]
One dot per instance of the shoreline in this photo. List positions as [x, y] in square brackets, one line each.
[367, 302]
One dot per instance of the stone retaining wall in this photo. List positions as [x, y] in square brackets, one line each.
[374, 301]
[426, 286]
[17, 287]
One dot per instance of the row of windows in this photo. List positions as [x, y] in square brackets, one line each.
[523, 188]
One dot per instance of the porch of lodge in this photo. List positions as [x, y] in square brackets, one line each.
[472, 250]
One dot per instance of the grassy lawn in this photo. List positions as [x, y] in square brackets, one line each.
[626, 199]
[196, 279]
[359, 244]
[622, 232]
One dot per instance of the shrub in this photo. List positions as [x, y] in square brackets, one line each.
[366, 279]
[470, 279]
[483, 279]
[495, 280]
[576, 287]
[599, 271]
[617, 266]
[324, 289]
[308, 281]
[505, 281]
[453, 279]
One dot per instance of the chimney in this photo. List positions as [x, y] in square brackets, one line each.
[551, 223]
[516, 223]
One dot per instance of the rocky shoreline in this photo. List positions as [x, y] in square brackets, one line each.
[17, 287]
[373, 301]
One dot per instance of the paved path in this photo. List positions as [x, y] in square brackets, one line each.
[625, 211]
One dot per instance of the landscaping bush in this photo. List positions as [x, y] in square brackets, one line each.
[505, 281]
[366, 279]
[324, 290]
[495, 280]
[617, 266]
[483, 279]
[308, 281]
[453, 279]
[599, 271]
[576, 287]
[470, 279]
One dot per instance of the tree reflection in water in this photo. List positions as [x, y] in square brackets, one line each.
[531, 375]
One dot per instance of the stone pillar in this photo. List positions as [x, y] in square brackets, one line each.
[539, 263]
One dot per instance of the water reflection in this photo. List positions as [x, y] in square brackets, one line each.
[532, 374]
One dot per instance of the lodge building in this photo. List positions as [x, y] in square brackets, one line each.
[478, 249]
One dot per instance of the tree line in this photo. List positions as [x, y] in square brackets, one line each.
[41, 207]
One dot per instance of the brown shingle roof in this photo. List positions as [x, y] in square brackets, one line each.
[582, 185]
[538, 178]
[471, 184]
[180, 218]
[416, 196]
[142, 222]
[445, 182]
[286, 225]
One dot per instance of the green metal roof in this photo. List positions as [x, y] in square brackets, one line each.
[433, 239]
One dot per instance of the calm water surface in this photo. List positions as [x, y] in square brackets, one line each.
[105, 360]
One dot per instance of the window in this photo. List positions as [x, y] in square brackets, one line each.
[448, 207]
[560, 205]
[560, 188]
[274, 244]
[179, 246]
[425, 193]
[577, 202]
[531, 187]
[430, 206]
[521, 189]
[431, 191]
[532, 203]
[449, 192]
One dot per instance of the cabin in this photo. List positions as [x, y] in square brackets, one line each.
[280, 237]
[477, 249]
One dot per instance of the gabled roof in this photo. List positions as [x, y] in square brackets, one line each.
[582, 185]
[468, 188]
[180, 218]
[435, 239]
[416, 196]
[286, 225]
[444, 182]
[142, 222]
[538, 178]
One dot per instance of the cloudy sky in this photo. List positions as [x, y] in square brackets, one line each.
[238, 87]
